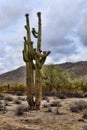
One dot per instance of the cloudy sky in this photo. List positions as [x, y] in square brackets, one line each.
[64, 30]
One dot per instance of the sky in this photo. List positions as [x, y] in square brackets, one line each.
[64, 30]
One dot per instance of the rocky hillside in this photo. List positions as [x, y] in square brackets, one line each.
[18, 76]
[78, 68]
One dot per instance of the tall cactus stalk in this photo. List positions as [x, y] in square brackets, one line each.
[28, 58]
[30, 54]
[40, 58]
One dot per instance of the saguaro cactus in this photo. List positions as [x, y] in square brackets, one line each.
[30, 54]
[28, 58]
[40, 58]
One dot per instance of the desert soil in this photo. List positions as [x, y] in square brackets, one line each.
[43, 119]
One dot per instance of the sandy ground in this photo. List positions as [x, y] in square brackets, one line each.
[42, 119]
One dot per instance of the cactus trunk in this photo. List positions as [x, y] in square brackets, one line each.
[38, 87]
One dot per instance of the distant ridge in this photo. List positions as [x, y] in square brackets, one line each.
[18, 76]
[78, 68]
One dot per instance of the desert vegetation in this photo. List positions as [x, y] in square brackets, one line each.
[52, 99]
[63, 105]
[55, 113]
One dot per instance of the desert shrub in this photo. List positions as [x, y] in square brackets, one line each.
[85, 115]
[49, 109]
[44, 97]
[45, 105]
[2, 106]
[74, 109]
[8, 98]
[61, 95]
[85, 95]
[20, 110]
[55, 79]
[1, 96]
[17, 101]
[55, 104]
[18, 87]
[85, 127]
[84, 87]
[74, 94]
[1, 88]
[21, 98]
[78, 106]
[19, 93]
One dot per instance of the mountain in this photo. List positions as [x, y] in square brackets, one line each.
[78, 68]
[18, 76]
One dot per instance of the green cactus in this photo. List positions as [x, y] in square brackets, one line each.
[40, 58]
[29, 55]
[28, 58]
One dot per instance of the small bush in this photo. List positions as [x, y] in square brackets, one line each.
[8, 98]
[1, 96]
[84, 115]
[45, 105]
[49, 109]
[44, 98]
[20, 110]
[85, 127]
[74, 109]
[2, 106]
[17, 101]
[61, 96]
[19, 93]
[21, 98]
[18, 87]
[79, 106]
[55, 104]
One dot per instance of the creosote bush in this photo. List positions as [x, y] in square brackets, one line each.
[20, 110]
[85, 115]
[2, 106]
[22, 98]
[55, 104]
[85, 127]
[79, 106]
[17, 101]
[8, 98]
[19, 93]
[1, 96]
[17, 88]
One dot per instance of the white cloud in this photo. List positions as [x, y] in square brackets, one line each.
[64, 26]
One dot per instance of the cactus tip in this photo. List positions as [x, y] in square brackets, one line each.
[26, 14]
[24, 38]
[38, 13]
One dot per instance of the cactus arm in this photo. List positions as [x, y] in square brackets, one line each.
[25, 57]
[34, 30]
[35, 34]
[25, 40]
[42, 60]
[39, 32]
[27, 27]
